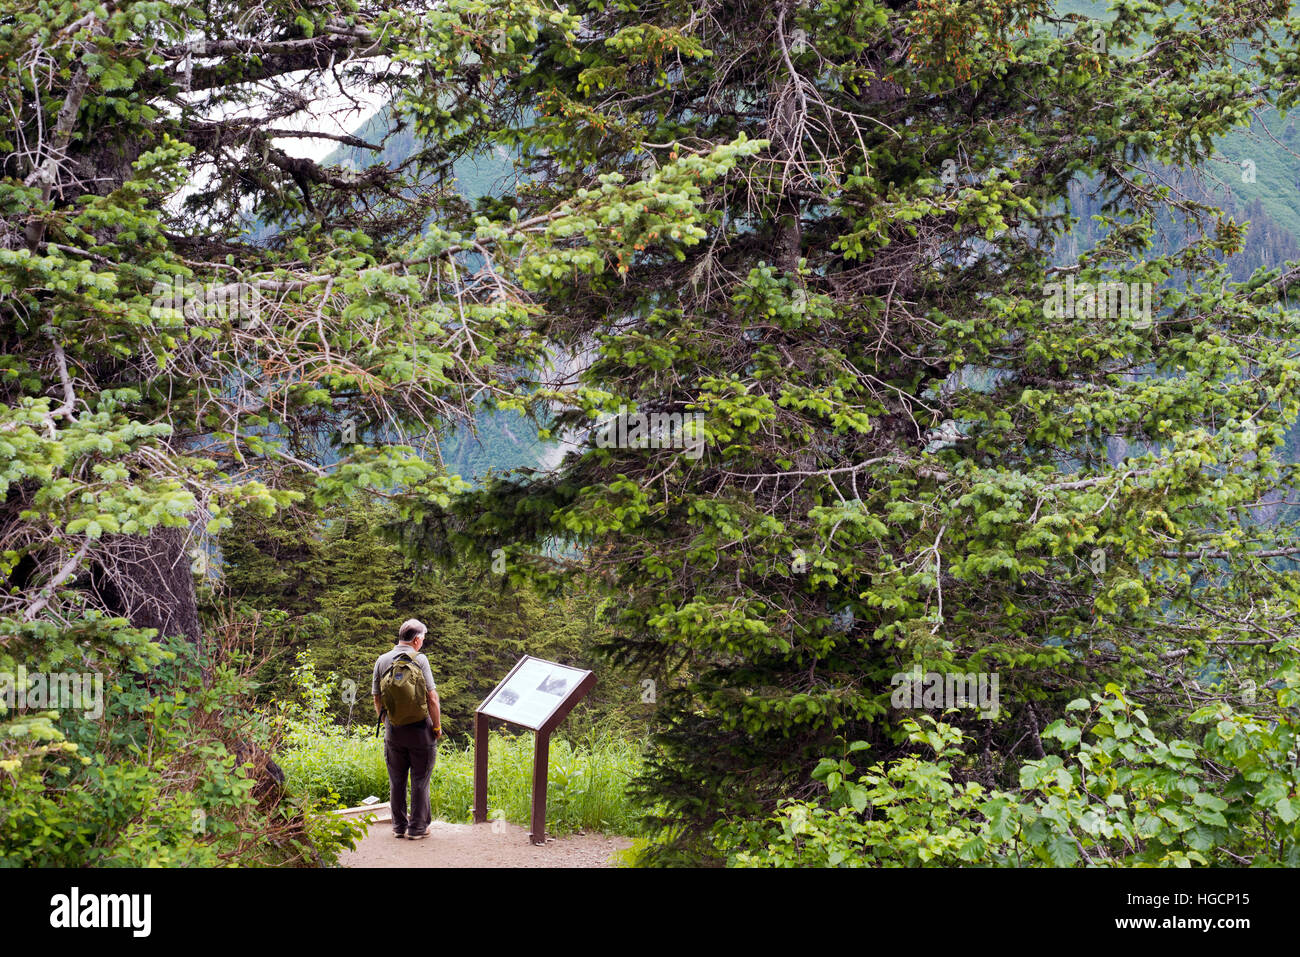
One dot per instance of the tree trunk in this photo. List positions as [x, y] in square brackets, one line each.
[149, 582]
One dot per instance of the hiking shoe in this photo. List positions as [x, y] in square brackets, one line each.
[417, 837]
[399, 834]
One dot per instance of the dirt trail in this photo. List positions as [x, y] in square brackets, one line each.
[476, 845]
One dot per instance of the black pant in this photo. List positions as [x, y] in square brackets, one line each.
[410, 749]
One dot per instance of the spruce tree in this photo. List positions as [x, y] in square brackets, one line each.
[195, 312]
[918, 450]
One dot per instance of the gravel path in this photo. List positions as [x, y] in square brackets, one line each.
[476, 845]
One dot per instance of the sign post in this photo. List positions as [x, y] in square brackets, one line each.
[536, 695]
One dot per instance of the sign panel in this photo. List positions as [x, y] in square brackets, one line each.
[532, 692]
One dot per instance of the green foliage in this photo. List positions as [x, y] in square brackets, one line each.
[163, 778]
[909, 459]
[907, 813]
[164, 376]
[826, 232]
[1117, 795]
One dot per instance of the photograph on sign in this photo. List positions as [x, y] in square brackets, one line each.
[532, 693]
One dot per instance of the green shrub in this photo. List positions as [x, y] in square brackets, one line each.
[1117, 795]
[165, 777]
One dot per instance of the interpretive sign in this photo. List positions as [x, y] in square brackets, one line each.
[537, 695]
[532, 692]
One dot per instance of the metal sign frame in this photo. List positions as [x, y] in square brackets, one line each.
[541, 743]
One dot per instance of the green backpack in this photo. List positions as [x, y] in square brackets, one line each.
[403, 692]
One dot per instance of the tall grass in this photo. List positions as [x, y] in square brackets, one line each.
[586, 782]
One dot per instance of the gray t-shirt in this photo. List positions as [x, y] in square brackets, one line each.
[385, 661]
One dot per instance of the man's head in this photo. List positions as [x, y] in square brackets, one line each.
[412, 632]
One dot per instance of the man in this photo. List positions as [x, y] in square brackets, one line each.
[411, 747]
